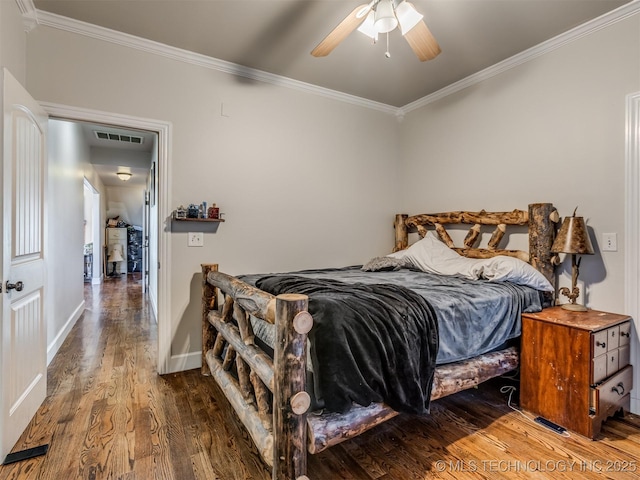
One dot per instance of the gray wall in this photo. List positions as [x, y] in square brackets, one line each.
[67, 152]
[550, 130]
[304, 181]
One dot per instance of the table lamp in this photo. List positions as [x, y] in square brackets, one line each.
[573, 238]
[115, 255]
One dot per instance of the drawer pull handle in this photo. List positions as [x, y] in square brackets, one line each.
[619, 389]
[624, 334]
[601, 344]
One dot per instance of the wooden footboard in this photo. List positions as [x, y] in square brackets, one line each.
[269, 395]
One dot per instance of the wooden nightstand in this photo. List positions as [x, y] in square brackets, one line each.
[575, 367]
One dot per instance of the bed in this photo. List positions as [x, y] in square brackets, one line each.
[272, 379]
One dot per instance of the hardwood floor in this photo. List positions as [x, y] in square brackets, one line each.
[108, 415]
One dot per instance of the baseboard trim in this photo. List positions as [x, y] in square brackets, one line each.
[185, 361]
[55, 345]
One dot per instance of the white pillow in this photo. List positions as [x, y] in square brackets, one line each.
[431, 255]
[510, 269]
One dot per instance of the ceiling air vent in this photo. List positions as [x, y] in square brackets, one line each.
[118, 138]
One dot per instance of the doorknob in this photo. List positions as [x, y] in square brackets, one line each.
[18, 286]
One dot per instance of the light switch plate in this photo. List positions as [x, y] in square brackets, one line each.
[195, 239]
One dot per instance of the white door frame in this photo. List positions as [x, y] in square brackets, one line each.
[96, 264]
[632, 235]
[163, 307]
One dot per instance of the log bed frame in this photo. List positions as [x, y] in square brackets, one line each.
[269, 395]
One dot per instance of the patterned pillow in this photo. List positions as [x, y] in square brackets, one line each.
[378, 264]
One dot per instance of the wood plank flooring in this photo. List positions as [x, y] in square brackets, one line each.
[108, 415]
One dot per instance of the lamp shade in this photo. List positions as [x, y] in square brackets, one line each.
[407, 16]
[385, 18]
[368, 26]
[573, 237]
[115, 253]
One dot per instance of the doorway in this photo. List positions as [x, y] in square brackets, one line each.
[92, 251]
[159, 237]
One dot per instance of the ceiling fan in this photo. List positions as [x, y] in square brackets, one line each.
[382, 16]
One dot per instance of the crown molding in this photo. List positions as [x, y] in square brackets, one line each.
[554, 43]
[26, 7]
[82, 28]
[28, 12]
[131, 41]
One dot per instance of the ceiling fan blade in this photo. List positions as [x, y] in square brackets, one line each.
[342, 31]
[422, 42]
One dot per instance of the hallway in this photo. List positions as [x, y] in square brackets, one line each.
[109, 415]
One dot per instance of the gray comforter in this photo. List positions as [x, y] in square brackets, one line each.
[474, 316]
[369, 342]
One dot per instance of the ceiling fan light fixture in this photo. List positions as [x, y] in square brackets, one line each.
[408, 16]
[368, 26]
[385, 18]
[124, 176]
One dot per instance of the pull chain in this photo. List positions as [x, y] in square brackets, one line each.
[387, 53]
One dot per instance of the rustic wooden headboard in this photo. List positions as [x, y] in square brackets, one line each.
[540, 218]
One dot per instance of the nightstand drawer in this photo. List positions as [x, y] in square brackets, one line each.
[612, 362]
[607, 340]
[625, 330]
[610, 349]
[613, 394]
[609, 363]
[600, 342]
[599, 369]
[613, 334]
[623, 356]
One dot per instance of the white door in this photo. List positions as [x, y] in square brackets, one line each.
[23, 373]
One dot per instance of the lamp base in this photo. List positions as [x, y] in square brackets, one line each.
[574, 307]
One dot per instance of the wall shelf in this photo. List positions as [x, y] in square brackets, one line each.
[198, 219]
[186, 225]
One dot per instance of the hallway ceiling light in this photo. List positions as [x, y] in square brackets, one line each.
[124, 176]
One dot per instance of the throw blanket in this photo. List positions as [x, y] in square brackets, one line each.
[369, 343]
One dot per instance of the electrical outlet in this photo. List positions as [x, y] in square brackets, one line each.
[195, 239]
[609, 242]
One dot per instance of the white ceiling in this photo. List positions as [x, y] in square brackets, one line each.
[276, 36]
